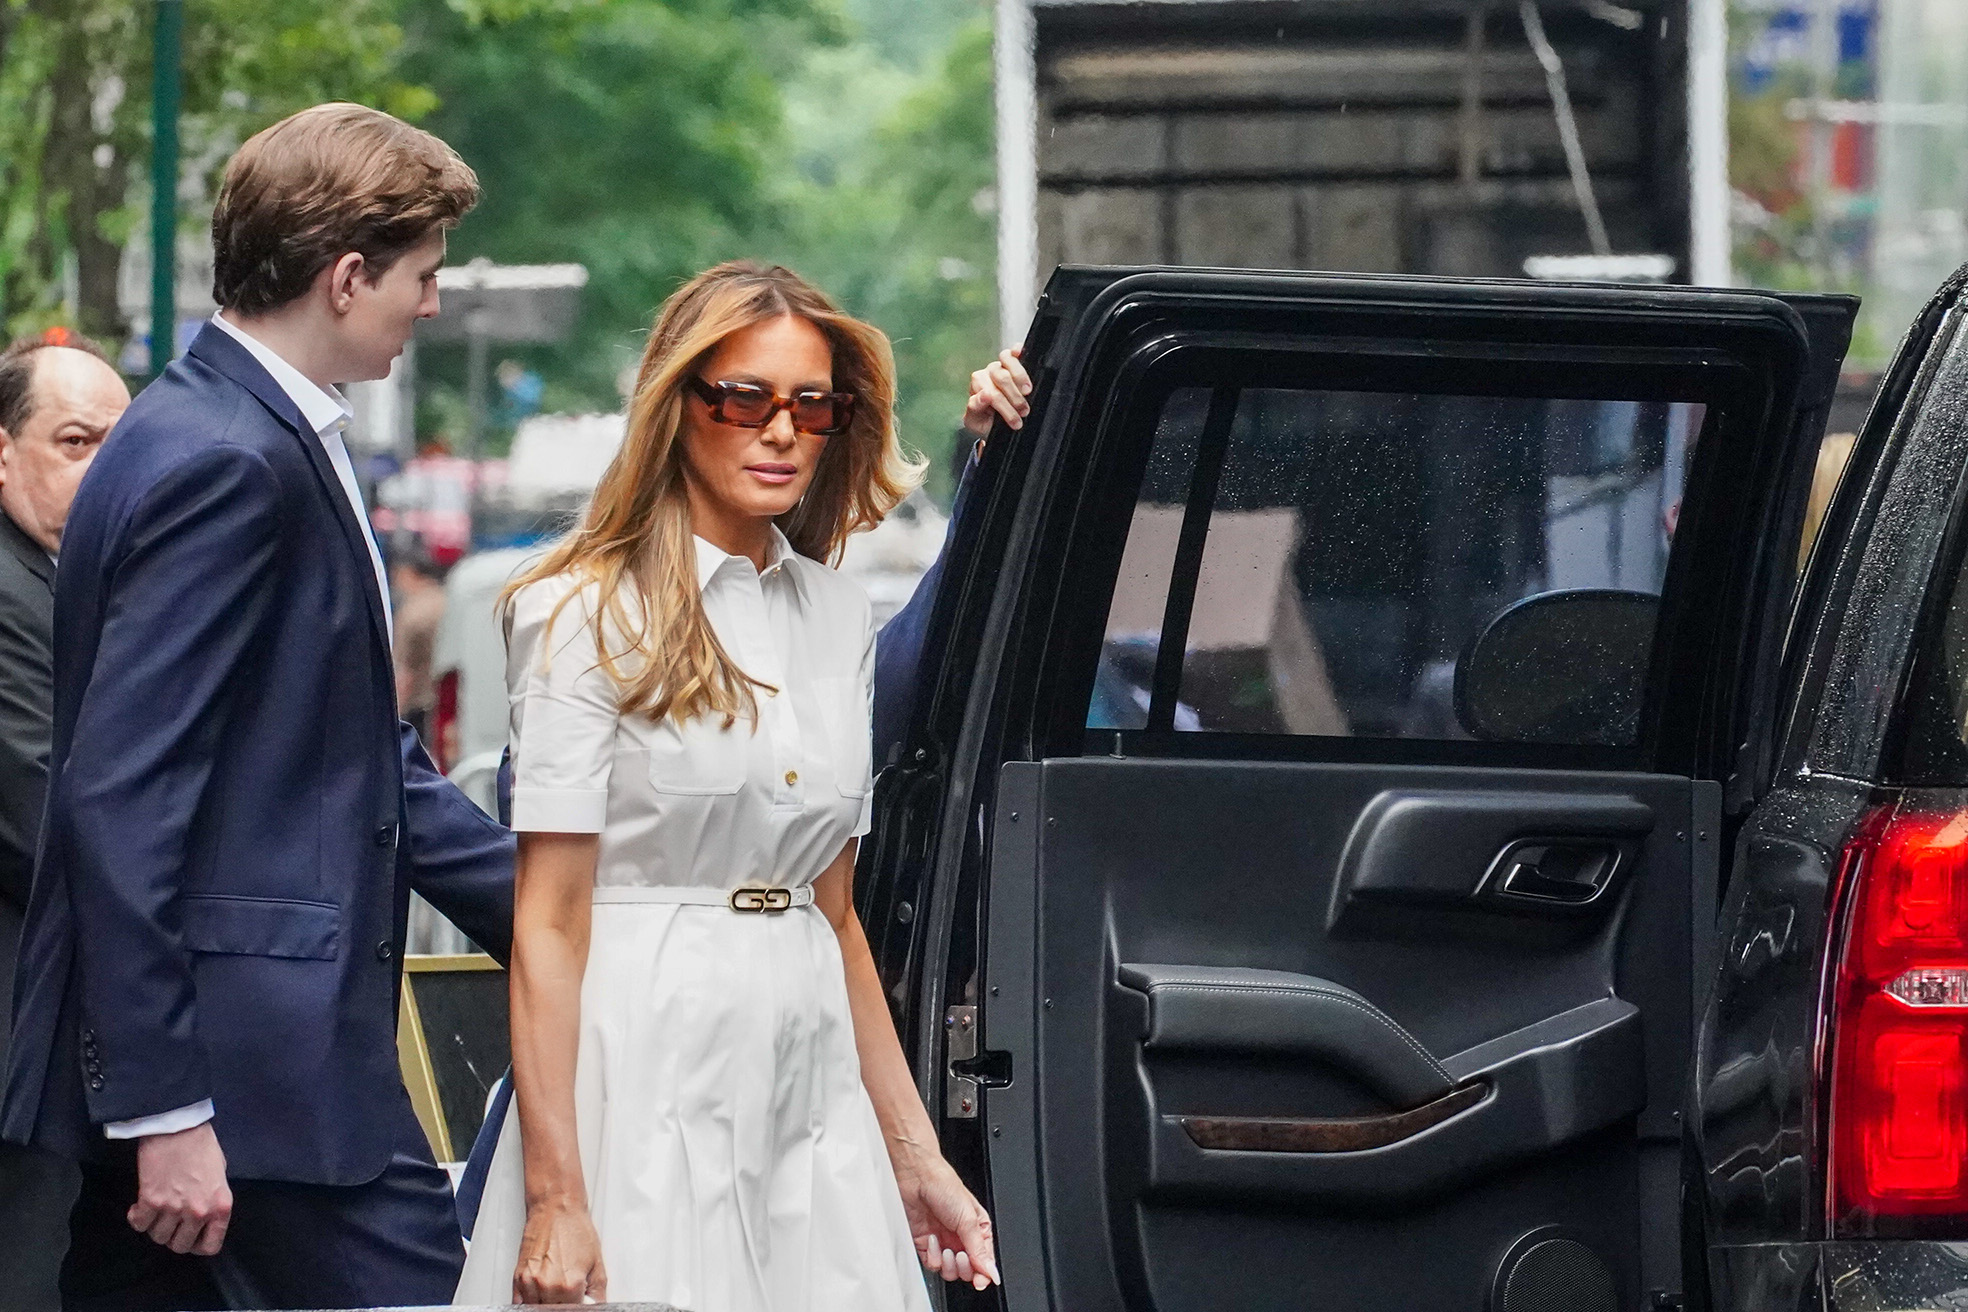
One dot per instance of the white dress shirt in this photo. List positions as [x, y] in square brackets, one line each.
[327, 413]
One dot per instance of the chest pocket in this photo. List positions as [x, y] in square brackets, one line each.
[845, 710]
[700, 757]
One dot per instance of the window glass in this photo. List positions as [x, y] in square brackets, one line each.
[1134, 618]
[1345, 548]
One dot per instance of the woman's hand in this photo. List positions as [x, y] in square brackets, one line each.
[999, 390]
[951, 1228]
[559, 1257]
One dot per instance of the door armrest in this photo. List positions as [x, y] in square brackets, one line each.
[1232, 1009]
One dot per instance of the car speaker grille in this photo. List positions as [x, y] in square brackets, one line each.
[1549, 1274]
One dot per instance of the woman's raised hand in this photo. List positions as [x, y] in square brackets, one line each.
[999, 390]
[951, 1228]
[559, 1257]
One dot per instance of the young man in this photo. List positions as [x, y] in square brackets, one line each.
[206, 1000]
[58, 399]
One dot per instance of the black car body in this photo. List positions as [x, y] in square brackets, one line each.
[1396, 817]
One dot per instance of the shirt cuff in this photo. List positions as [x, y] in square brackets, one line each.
[184, 1118]
[560, 810]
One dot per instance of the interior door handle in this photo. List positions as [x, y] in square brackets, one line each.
[1571, 871]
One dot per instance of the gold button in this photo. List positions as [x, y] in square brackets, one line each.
[792, 777]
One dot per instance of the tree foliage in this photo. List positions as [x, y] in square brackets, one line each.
[891, 210]
[644, 139]
[628, 135]
[75, 101]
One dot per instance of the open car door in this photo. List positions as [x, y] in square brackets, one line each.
[1294, 886]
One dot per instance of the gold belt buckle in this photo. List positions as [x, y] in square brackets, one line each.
[763, 901]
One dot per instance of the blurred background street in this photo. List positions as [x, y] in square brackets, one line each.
[929, 162]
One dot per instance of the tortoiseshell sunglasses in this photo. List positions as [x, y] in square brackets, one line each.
[747, 405]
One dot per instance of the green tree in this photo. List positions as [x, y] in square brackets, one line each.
[644, 139]
[649, 140]
[885, 200]
[75, 81]
[630, 136]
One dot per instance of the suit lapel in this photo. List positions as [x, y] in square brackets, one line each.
[218, 350]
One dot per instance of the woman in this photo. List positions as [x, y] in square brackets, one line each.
[714, 1110]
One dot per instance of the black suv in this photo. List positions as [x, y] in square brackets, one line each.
[1423, 798]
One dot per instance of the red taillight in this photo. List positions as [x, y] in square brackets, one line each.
[444, 722]
[1899, 1030]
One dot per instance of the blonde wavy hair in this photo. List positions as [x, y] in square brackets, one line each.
[635, 539]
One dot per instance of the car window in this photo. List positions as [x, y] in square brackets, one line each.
[1317, 562]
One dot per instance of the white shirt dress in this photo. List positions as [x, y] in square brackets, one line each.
[732, 1159]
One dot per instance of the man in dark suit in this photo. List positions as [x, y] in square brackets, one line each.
[206, 1000]
[1000, 391]
[58, 399]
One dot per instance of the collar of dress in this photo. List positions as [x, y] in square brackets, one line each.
[779, 556]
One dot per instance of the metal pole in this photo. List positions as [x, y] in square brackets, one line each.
[1568, 133]
[166, 91]
[477, 324]
[1708, 144]
[1018, 169]
[1824, 78]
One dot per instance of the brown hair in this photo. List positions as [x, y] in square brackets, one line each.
[321, 183]
[636, 535]
[17, 364]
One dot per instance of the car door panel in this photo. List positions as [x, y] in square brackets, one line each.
[1267, 1017]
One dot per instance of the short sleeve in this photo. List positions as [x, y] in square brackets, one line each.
[867, 820]
[564, 711]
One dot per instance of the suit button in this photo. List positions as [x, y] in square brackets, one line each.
[386, 836]
[96, 1083]
[385, 950]
[88, 1036]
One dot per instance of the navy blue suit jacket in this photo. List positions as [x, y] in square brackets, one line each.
[236, 815]
[899, 645]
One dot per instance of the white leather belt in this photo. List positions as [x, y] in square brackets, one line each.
[757, 899]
